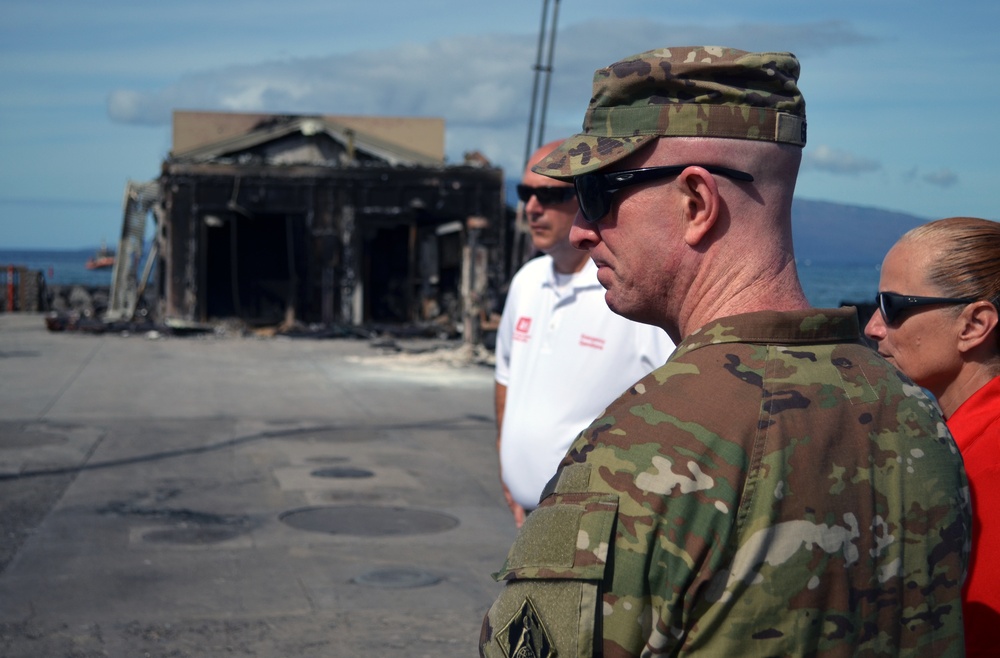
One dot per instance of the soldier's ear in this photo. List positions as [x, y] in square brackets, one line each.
[701, 203]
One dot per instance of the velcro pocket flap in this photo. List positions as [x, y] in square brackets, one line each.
[567, 537]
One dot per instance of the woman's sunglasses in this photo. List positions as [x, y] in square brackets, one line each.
[595, 191]
[892, 304]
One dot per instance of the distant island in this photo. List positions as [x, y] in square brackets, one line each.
[826, 232]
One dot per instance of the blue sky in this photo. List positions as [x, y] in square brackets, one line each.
[900, 96]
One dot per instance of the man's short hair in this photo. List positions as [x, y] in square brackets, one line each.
[690, 91]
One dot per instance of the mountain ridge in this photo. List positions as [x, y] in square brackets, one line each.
[830, 232]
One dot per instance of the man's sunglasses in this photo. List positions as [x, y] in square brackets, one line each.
[546, 196]
[595, 191]
[892, 304]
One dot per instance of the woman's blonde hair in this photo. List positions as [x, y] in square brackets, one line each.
[968, 256]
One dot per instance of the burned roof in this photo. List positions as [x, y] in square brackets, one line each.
[316, 140]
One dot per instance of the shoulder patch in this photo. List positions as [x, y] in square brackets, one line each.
[526, 636]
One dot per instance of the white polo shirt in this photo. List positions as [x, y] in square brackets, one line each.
[564, 357]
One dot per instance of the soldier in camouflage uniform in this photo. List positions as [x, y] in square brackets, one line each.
[775, 489]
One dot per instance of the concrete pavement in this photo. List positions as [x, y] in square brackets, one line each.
[225, 496]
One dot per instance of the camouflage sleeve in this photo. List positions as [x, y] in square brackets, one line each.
[611, 499]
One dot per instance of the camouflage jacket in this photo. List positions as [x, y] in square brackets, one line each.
[775, 489]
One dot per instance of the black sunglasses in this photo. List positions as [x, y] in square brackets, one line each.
[892, 304]
[547, 196]
[595, 191]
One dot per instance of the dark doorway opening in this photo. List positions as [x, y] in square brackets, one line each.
[388, 278]
[254, 267]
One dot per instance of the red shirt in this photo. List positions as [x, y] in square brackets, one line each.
[976, 428]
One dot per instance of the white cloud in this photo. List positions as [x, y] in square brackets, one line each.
[824, 158]
[942, 178]
[134, 107]
[480, 85]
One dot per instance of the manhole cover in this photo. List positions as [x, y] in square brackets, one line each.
[397, 578]
[341, 472]
[368, 520]
[194, 535]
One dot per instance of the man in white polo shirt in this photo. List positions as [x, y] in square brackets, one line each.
[561, 356]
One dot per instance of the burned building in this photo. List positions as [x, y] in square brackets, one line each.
[276, 219]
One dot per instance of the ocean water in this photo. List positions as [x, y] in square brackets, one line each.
[829, 285]
[826, 284]
[60, 267]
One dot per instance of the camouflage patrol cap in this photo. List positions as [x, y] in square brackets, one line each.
[690, 91]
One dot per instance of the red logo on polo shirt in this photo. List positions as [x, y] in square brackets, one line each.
[522, 330]
[591, 341]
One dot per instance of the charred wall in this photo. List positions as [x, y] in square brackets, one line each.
[277, 244]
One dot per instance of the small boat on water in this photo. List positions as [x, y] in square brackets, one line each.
[102, 259]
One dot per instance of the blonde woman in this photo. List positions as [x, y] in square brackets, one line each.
[938, 298]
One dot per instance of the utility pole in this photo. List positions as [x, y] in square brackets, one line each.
[545, 54]
[520, 244]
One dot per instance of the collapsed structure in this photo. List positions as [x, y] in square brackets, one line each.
[281, 219]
